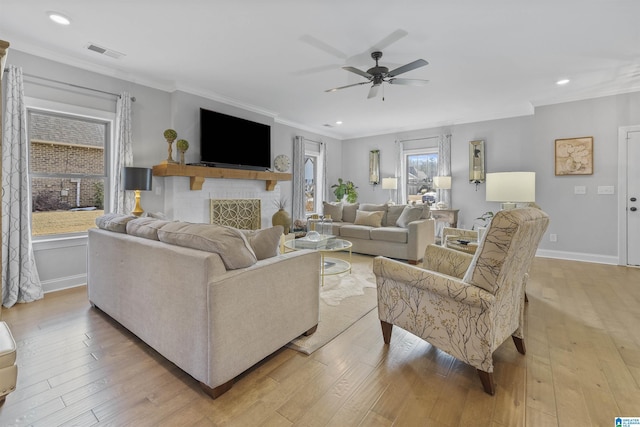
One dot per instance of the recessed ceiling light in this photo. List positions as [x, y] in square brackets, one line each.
[339, 122]
[562, 82]
[59, 18]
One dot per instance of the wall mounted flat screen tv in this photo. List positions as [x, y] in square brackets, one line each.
[231, 142]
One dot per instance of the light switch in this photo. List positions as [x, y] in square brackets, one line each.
[606, 189]
[579, 189]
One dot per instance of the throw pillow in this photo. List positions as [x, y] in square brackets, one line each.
[409, 214]
[372, 219]
[145, 227]
[114, 222]
[370, 207]
[349, 212]
[266, 242]
[228, 242]
[393, 213]
[333, 209]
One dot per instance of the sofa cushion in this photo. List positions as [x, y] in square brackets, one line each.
[334, 209]
[372, 219]
[390, 234]
[145, 227]
[228, 242]
[393, 213]
[409, 214]
[265, 242]
[356, 231]
[370, 207]
[114, 222]
[349, 211]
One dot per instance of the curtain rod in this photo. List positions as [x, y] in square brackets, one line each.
[133, 98]
[311, 140]
[426, 137]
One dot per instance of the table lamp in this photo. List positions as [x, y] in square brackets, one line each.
[390, 184]
[136, 179]
[441, 183]
[511, 188]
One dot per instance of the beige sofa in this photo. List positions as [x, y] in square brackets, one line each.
[395, 231]
[209, 313]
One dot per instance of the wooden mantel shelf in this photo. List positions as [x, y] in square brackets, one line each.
[197, 174]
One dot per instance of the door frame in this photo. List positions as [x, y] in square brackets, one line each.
[622, 191]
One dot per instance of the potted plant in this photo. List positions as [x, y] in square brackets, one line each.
[182, 145]
[345, 188]
[281, 217]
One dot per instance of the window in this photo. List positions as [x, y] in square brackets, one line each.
[313, 178]
[67, 170]
[421, 165]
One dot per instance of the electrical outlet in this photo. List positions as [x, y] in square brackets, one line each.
[579, 189]
[158, 189]
[606, 189]
[553, 237]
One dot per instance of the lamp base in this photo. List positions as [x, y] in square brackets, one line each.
[442, 205]
[507, 205]
[137, 210]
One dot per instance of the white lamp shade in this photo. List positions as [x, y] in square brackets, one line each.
[511, 187]
[442, 182]
[389, 183]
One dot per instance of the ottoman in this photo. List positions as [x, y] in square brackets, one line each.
[8, 368]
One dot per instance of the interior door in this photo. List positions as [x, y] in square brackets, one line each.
[633, 198]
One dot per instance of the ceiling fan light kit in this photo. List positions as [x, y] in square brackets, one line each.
[378, 75]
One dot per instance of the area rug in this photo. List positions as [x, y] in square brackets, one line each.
[344, 299]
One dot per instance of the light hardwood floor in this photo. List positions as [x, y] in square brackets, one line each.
[582, 368]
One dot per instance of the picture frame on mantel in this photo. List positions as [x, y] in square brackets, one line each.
[574, 156]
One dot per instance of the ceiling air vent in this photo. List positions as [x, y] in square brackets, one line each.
[104, 51]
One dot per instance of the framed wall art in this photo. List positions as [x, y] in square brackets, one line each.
[574, 156]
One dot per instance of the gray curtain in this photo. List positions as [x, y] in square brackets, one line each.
[122, 201]
[298, 210]
[444, 166]
[323, 160]
[20, 279]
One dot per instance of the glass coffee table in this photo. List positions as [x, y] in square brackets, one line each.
[329, 265]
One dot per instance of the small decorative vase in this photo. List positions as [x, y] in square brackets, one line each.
[282, 217]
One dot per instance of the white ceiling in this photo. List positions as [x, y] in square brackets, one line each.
[487, 59]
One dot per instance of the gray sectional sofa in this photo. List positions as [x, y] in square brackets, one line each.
[211, 299]
[395, 231]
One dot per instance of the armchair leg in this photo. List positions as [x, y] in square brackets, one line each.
[487, 382]
[519, 342]
[386, 331]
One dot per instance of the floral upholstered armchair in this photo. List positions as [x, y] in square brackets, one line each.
[466, 305]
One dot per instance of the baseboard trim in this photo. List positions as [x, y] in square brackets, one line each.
[62, 283]
[578, 256]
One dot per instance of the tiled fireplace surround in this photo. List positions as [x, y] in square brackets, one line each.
[183, 204]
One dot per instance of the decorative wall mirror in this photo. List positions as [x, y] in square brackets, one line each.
[374, 167]
[476, 162]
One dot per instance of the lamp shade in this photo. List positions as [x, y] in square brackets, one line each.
[389, 183]
[442, 182]
[511, 187]
[136, 178]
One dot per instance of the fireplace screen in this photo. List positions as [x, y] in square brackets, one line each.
[238, 213]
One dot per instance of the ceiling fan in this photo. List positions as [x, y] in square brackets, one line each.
[378, 75]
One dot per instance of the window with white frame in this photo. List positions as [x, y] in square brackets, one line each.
[68, 164]
[313, 178]
[420, 166]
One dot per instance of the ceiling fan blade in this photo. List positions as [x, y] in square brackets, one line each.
[408, 82]
[390, 39]
[408, 67]
[359, 72]
[344, 87]
[373, 91]
[319, 44]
